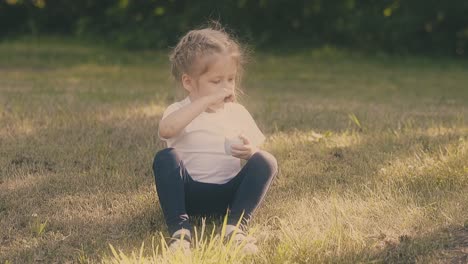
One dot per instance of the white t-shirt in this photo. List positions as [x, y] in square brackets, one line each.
[201, 143]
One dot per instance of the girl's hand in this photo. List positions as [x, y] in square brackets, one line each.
[220, 96]
[243, 151]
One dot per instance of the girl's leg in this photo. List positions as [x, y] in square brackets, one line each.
[206, 199]
[180, 196]
[170, 178]
[251, 185]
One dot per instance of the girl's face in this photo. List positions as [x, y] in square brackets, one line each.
[221, 73]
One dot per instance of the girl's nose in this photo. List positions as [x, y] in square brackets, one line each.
[229, 85]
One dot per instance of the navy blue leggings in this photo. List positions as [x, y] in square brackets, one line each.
[181, 196]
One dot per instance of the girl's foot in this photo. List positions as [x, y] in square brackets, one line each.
[182, 240]
[240, 237]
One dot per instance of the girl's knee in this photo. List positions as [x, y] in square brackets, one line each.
[163, 156]
[266, 158]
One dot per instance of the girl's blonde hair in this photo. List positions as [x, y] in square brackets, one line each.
[197, 43]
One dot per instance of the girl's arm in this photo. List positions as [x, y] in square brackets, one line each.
[177, 120]
[174, 123]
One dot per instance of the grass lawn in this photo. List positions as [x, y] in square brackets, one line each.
[372, 150]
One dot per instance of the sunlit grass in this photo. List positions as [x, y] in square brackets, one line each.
[208, 248]
[372, 153]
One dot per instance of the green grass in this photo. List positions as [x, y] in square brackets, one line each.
[372, 152]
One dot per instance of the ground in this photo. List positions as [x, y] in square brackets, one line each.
[372, 151]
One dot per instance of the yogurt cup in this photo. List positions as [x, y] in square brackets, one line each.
[229, 141]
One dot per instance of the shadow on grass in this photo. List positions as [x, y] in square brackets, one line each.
[446, 245]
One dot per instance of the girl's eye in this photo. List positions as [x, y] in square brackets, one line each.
[230, 80]
[217, 81]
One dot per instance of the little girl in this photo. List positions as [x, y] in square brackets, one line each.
[200, 172]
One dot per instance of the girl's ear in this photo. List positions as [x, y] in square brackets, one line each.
[188, 82]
